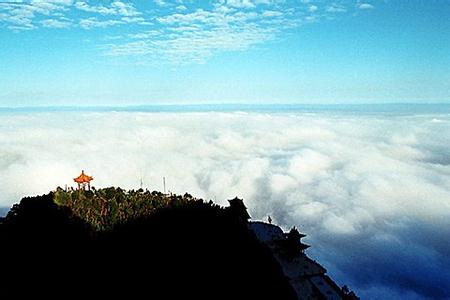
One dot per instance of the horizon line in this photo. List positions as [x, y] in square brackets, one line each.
[364, 108]
[218, 104]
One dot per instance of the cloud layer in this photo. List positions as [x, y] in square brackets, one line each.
[175, 32]
[371, 191]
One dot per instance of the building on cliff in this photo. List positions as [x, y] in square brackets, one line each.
[307, 277]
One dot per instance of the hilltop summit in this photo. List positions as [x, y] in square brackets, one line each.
[112, 242]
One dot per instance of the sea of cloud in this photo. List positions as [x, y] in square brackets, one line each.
[372, 191]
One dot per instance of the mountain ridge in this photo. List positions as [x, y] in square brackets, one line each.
[132, 242]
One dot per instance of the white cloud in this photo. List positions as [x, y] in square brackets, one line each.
[328, 159]
[221, 25]
[240, 3]
[373, 188]
[54, 23]
[181, 7]
[53, 13]
[160, 2]
[336, 8]
[272, 13]
[95, 9]
[365, 6]
[196, 36]
[313, 8]
[308, 165]
[125, 9]
[226, 26]
[94, 22]
[115, 8]
[138, 20]
[20, 15]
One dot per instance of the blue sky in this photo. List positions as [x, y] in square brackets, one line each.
[65, 52]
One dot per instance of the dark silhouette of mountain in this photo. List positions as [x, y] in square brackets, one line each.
[195, 251]
[140, 244]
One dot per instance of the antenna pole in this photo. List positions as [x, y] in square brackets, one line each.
[164, 184]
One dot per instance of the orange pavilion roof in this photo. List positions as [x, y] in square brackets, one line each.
[83, 178]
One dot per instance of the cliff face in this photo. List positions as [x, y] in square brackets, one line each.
[116, 243]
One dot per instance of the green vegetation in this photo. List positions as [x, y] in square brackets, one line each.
[107, 207]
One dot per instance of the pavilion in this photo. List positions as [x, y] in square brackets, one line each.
[83, 181]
